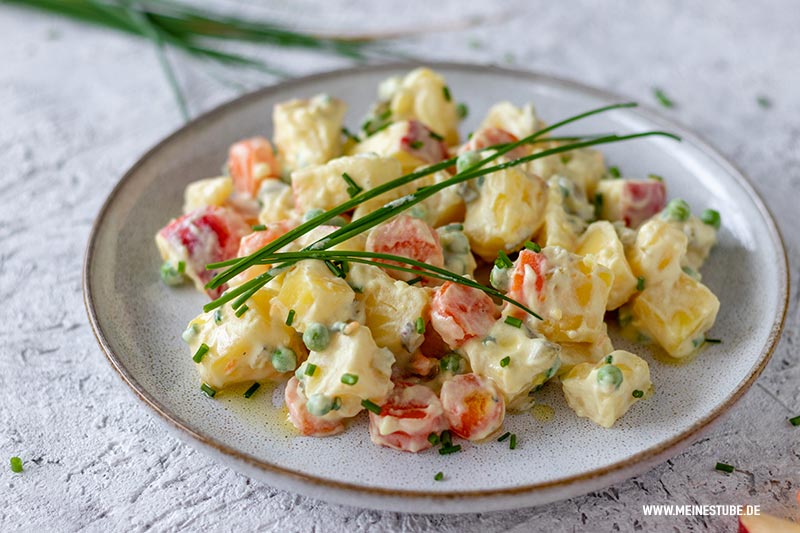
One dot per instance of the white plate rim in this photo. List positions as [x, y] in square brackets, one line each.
[630, 466]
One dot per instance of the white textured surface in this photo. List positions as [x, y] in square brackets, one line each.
[79, 105]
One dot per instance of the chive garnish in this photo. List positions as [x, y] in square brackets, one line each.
[449, 449]
[795, 421]
[503, 261]
[259, 227]
[446, 93]
[252, 390]
[532, 246]
[724, 468]
[433, 438]
[310, 369]
[713, 341]
[420, 325]
[242, 310]
[614, 171]
[201, 351]
[638, 393]
[414, 281]
[208, 390]
[462, 111]
[505, 361]
[662, 98]
[16, 465]
[504, 436]
[436, 136]
[352, 187]
[598, 205]
[640, 283]
[181, 267]
[764, 102]
[290, 317]
[371, 406]
[347, 133]
[446, 438]
[218, 316]
[513, 321]
[609, 359]
[439, 476]
[349, 379]
[655, 177]
[512, 444]
[416, 145]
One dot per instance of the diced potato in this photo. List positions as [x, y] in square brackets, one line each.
[316, 295]
[509, 209]
[601, 241]
[211, 191]
[630, 201]
[585, 167]
[392, 308]
[444, 207]
[240, 348]
[604, 394]
[323, 187]
[568, 291]
[518, 121]
[423, 95]
[701, 238]
[277, 202]
[676, 315]
[549, 166]
[560, 228]
[409, 142]
[308, 132]
[455, 246]
[356, 243]
[575, 353]
[656, 255]
[531, 361]
[352, 353]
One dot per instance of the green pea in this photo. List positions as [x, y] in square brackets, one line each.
[677, 210]
[284, 359]
[712, 218]
[319, 404]
[312, 213]
[452, 362]
[499, 278]
[466, 160]
[609, 376]
[172, 275]
[316, 337]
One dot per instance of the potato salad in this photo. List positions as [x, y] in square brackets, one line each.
[431, 283]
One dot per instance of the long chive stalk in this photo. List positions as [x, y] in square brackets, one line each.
[245, 262]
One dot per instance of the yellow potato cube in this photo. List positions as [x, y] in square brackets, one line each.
[656, 255]
[585, 167]
[308, 132]
[211, 191]
[677, 315]
[277, 202]
[518, 121]
[509, 209]
[559, 227]
[601, 242]
[444, 207]
[575, 353]
[389, 143]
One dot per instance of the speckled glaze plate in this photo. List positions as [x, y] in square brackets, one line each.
[138, 320]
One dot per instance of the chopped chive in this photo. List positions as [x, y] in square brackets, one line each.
[259, 227]
[365, 126]
[598, 205]
[290, 317]
[310, 369]
[764, 102]
[436, 136]
[638, 393]
[352, 187]
[416, 145]
[439, 476]
[504, 436]
[713, 341]
[446, 438]
[534, 247]
[503, 261]
[609, 359]
[252, 390]
[724, 468]
[208, 390]
[662, 98]
[349, 379]
[420, 325]
[513, 321]
[380, 128]
[655, 177]
[446, 93]
[640, 283]
[795, 421]
[371, 406]
[218, 316]
[334, 268]
[347, 133]
[201, 351]
[505, 361]
[433, 438]
[614, 171]
[385, 115]
[337, 404]
[462, 111]
[16, 465]
[181, 267]
[414, 281]
[449, 449]
[242, 310]
[512, 444]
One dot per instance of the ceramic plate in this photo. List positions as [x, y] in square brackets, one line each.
[138, 320]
